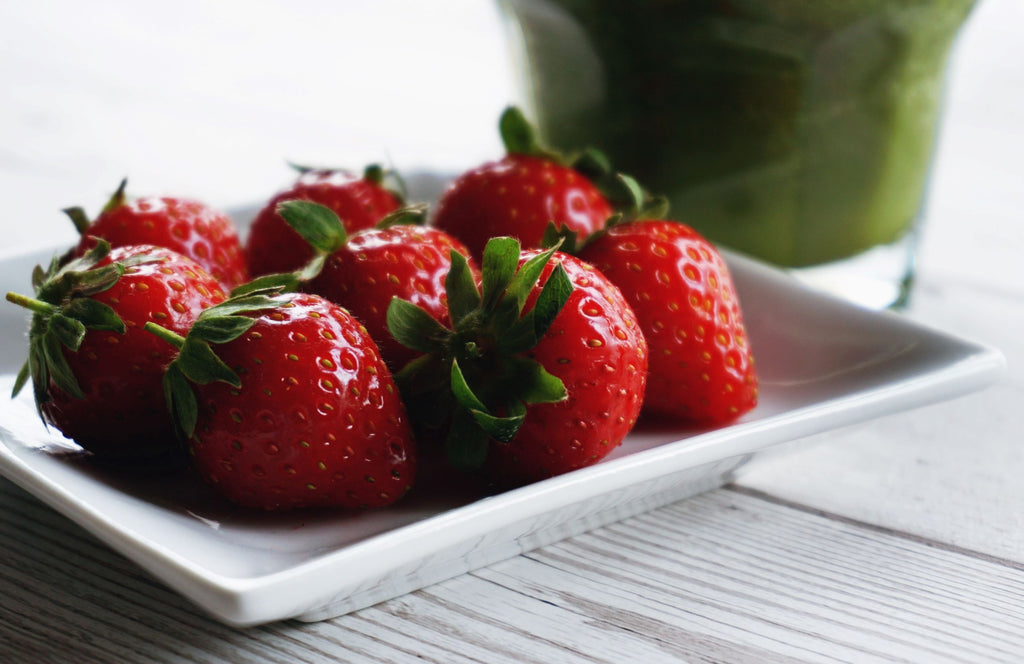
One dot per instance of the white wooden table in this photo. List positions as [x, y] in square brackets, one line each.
[897, 540]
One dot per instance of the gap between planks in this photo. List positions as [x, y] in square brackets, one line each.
[881, 530]
[725, 576]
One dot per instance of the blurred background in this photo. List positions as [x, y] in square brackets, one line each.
[209, 100]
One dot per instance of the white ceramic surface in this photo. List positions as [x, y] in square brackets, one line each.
[822, 363]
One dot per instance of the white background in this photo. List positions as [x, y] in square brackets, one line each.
[208, 99]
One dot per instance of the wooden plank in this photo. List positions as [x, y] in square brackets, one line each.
[793, 584]
[62, 591]
[949, 472]
[725, 576]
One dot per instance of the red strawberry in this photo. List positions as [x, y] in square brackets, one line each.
[360, 202]
[702, 368]
[543, 373]
[529, 190]
[96, 373]
[188, 227]
[292, 406]
[363, 271]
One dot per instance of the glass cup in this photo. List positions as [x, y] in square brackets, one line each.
[797, 131]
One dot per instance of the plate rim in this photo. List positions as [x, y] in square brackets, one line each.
[246, 601]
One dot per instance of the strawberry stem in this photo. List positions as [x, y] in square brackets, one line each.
[374, 173]
[170, 337]
[31, 304]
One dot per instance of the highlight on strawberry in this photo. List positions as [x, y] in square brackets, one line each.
[364, 270]
[683, 294]
[96, 374]
[542, 370]
[531, 187]
[285, 402]
[191, 228]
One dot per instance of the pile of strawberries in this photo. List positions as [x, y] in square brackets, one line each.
[517, 330]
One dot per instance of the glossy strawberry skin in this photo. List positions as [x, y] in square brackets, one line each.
[518, 196]
[375, 265]
[123, 418]
[272, 246]
[188, 227]
[702, 368]
[596, 348]
[317, 421]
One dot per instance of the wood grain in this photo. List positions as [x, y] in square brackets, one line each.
[949, 472]
[727, 576]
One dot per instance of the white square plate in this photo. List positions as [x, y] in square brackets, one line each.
[822, 364]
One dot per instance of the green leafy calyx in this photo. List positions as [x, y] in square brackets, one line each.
[622, 191]
[475, 378]
[318, 225]
[118, 198]
[197, 362]
[325, 233]
[652, 209]
[81, 220]
[520, 137]
[409, 215]
[387, 178]
[62, 312]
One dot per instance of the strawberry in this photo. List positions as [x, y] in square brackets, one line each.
[360, 202]
[363, 271]
[188, 227]
[530, 189]
[702, 367]
[292, 405]
[543, 372]
[96, 373]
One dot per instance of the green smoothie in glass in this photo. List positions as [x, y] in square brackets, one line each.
[799, 131]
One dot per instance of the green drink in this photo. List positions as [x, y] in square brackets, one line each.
[798, 131]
